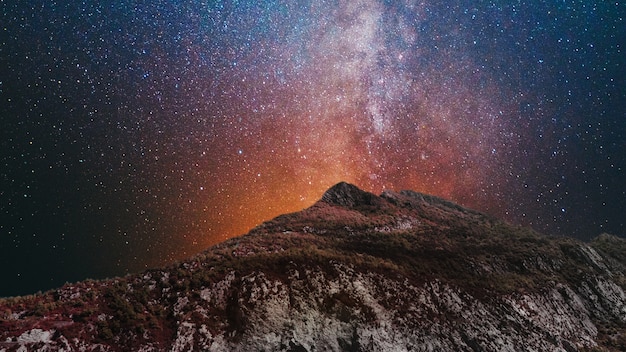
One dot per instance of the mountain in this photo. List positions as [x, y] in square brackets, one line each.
[402, 271]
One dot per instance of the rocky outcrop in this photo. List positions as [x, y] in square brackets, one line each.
[355, 272]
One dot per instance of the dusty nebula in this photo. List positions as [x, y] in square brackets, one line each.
[140, 132]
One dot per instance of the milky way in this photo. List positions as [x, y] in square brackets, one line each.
[140, 132]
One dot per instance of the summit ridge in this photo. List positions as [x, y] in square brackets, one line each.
[348, 195]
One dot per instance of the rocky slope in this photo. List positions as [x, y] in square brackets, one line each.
[354, 272]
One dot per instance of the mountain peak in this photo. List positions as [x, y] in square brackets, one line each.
[349, 196]
[355, 271]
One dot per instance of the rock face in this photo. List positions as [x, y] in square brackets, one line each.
[355, 272]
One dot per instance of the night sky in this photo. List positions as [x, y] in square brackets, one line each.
[137, 133]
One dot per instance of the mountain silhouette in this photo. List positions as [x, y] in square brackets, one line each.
[402, 271]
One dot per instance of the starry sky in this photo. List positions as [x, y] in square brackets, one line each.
[137, 133]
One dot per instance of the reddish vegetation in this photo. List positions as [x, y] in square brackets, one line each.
[414, 239]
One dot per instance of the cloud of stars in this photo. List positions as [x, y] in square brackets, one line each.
[136, 133]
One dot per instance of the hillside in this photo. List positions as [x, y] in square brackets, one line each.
[402, 271]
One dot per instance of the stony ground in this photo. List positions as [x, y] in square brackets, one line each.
[355, 272]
